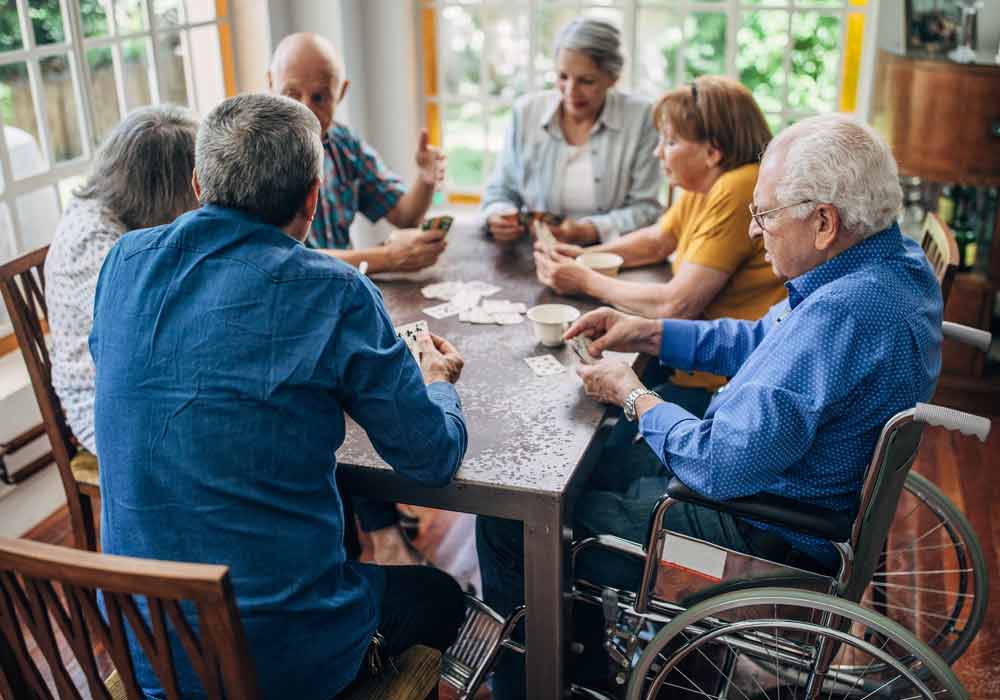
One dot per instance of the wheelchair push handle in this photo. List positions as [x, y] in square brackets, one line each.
[967, 335]
[950, 419]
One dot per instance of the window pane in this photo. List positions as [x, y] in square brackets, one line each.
[46, 21]
[7, 252]
[499, 120]
[131, 16]
[548, 21]
[815, 59]
[660, 38]
[101, 74]
[38, 214]
[62, 110]
[463, 144]
[200, 10]
[94, 16]
[173, 84]
[21, 128]
[210, 86]
[462, 41]
[10, 28]
[705, 48]
[760, 60]
[67, 186]
[135, 73]
[506, 51]
[168, 13]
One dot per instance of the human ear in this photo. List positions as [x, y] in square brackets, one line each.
[827, 226]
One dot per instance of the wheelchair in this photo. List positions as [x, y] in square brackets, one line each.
[709, 622]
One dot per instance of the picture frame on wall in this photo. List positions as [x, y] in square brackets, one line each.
[934, 26]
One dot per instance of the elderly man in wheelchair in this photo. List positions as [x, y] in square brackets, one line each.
[763, 519]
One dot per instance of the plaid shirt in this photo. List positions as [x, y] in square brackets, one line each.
[354, 180]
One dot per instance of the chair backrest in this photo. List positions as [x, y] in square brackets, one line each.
[41, 583]
[22, 285]
[941, 249]
[894, 455]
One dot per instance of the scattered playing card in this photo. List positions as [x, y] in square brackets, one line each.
[476, 315]
[442, 310]
[545, 235]
[466, 299]
[504, 306]
[439, 222]
[544, 365]
[581, 346]
[409, 333]
[506, 318]
[483, 288]
[441, 290]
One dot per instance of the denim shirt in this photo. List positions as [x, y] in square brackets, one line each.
[227, 357]
[627, 175]
[813, 382]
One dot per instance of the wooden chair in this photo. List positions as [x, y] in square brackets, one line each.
[939, 245]
[41, 583]
[22, 284]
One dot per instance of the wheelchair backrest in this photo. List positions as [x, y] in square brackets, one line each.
[894, 454]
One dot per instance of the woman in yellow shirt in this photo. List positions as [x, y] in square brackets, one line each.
[711, 136]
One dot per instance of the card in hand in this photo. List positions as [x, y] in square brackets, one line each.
[545, 235]
[528, 218]
[443, 223]
[544, 365]
[581, 346]
[409, 333]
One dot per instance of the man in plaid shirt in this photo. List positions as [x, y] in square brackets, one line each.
[307, 68]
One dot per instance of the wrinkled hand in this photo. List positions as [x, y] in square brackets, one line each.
[439, 360]
[430, 162]
[612, 330]
[578, 232]
[505, 227]
[559, 273]
[411, 249]
[608, 381]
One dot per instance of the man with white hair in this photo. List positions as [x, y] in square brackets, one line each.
[813, 382]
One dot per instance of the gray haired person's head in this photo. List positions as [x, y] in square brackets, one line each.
[260, 154]
[835, 159]
[600, 41]
[142, 171]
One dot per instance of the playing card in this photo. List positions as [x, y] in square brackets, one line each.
[442, 310]
[409, 333]
[466, 299]
[483, 288]
[581, 346]
[504, 306]
[544, 365]
[476, 315]
[441, 290]
[505, 318]
[544, 234]
[442, 223]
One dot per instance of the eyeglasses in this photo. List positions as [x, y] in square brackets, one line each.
[758, 216]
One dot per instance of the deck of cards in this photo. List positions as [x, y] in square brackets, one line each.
[581, 346]
[544, 234]
[408, 333]
[442, 223]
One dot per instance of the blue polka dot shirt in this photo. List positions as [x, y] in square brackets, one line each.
[857, 340]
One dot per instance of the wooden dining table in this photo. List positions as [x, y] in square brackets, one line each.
[533, 440]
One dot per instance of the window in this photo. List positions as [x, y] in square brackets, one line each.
[69, 71]
[798, 57]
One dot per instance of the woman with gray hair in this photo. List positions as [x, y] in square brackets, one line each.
[141, 178]
[583, 152]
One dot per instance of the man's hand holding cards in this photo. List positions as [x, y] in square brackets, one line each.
[441, 223]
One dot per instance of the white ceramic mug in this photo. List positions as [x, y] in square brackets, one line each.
[605, 263]
[551, 321]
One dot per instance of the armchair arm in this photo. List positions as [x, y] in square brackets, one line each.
[774, 510]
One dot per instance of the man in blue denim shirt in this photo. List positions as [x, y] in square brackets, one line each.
[227, 356]
[813, 382]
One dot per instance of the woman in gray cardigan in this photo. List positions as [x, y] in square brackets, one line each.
[583, 151]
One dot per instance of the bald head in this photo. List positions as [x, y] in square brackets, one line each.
[307, 68]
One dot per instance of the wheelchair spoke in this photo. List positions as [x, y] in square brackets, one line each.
[922, 589]
[881, 688]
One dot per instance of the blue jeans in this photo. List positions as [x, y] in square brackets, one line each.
[618, 500]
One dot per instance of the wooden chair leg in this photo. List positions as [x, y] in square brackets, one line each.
[86, 535]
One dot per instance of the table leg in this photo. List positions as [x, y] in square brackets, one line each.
[546, 619]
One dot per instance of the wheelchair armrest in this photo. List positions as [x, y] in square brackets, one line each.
[773, 510]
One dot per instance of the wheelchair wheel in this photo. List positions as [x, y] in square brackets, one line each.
[932, 578]
[778, 643]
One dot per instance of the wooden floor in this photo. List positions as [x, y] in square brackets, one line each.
[966, 470]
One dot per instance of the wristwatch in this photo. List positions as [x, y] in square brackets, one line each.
[633, 396]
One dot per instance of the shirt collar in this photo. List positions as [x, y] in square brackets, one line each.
[876, 247]
[611, 117]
